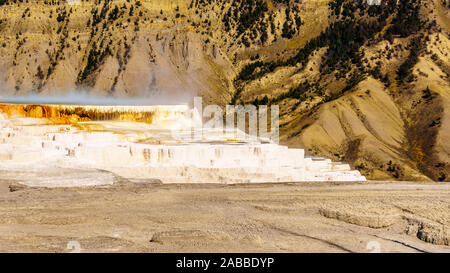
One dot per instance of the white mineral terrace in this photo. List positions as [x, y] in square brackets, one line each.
[37, 153]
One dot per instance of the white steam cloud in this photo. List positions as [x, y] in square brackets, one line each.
[85, 98]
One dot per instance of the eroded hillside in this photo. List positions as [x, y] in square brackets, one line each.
[174, 48]
[372, 89]
[368, 85]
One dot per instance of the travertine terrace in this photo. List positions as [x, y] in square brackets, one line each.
[46, 142]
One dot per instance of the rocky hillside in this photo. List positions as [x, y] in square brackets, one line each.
[163, 48]
[368, 85]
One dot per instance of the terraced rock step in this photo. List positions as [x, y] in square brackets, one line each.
[51, 152]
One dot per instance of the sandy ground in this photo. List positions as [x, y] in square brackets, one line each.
[295, 217]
